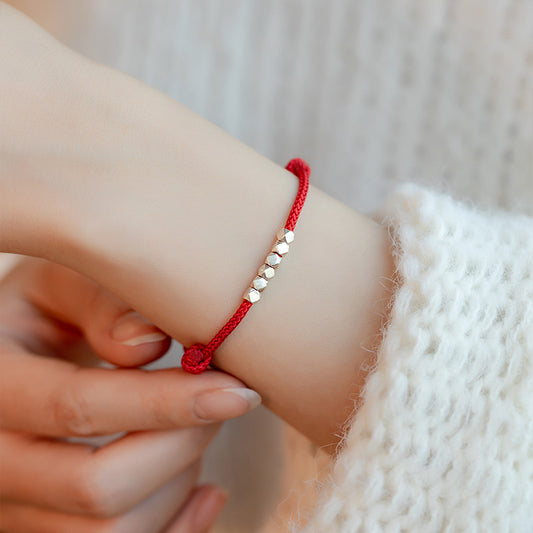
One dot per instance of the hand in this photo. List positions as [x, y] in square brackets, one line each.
[53, 325]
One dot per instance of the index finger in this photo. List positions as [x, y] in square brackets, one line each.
[47, 396]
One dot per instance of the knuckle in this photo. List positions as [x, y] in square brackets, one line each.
[161, 409]
[93, 496]
[71, 411]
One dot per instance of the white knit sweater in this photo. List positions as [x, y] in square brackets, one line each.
[421, 113]
[444, 438]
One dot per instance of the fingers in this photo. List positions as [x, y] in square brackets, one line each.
[47, 396]
[149, 516]
[115, 332]
[200, 511]
[73, 478]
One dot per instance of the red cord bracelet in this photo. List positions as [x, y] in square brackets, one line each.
[197, 357]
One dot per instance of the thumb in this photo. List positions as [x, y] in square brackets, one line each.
[200, 511]
[114, 331]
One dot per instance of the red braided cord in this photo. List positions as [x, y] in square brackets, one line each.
[302, 171]
[197, 357]
[232, 323]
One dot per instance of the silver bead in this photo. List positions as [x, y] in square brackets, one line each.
[285, 235]
[252, 295]
[259, 283]
[280, 247]
[266, 271]
[273, 260]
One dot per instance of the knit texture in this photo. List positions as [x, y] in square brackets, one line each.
[444, 438]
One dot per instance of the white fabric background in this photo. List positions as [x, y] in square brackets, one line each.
[370, 92]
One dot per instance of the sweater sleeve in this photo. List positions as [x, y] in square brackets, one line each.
[443, 440]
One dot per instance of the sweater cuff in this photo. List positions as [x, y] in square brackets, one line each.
[443, 440]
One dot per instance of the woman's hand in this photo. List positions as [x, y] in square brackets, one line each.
[53, 326]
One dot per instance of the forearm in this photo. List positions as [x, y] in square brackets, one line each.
[305, 345]
[175, 216]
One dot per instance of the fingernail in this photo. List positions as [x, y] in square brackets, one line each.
[209, 509]
[144, 339]
[132, 329]
[220, 404]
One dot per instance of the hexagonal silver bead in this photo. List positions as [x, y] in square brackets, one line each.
[266, 271]
[252, 295]
[273, 260]
[259, 283]
[280, 247]
[285, 235]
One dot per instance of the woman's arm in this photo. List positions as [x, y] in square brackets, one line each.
[175, 216]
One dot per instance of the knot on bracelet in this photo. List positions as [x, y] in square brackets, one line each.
[196, 358]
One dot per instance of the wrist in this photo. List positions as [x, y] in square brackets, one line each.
[186, 264]
[187, 197]
[175, 216]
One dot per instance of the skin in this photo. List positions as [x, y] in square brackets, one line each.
[56, 327]
[174, 216]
